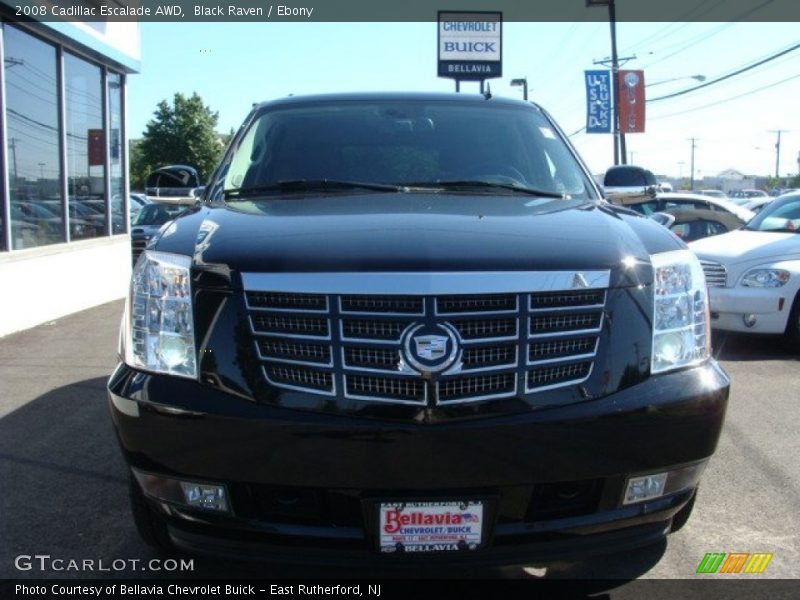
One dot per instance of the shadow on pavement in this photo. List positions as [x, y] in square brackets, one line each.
[69, 499]
[744, 347]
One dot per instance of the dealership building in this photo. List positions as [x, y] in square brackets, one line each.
[64, 242]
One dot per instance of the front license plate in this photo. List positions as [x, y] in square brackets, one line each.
[430, 526]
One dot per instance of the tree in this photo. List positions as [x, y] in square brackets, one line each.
[181, 133]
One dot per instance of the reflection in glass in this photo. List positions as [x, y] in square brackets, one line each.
[86, 147]
[118, 223]
[34, 166]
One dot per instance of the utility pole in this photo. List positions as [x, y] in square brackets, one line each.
[12, 143]
[778, 150]
[691, 180]
[620, 154]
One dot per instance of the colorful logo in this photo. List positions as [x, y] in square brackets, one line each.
[735, 562]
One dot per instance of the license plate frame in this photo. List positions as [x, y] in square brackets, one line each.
[431, 525]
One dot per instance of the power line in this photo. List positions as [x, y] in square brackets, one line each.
[729, 75]
[723, 101]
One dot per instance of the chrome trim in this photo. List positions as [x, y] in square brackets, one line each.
[476, 398]
[289, 361]
[560, 384]
[488, 313]
[314, 311]
[308, 390]
[576, 332]
[403, 370]
[343, 338]
[422, 284]
[296, 336]
[466, 370]
[577, 307]
[565, 358]
[422, 402]
[342, 311]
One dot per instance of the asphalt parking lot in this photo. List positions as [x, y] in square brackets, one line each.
[65, 488]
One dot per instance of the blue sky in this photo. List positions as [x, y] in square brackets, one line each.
[233, 65]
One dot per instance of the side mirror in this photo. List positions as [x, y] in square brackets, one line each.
[627, 184]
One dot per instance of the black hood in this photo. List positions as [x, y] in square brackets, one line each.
[412, 232]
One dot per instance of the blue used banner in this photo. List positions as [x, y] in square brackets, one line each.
[598, 101]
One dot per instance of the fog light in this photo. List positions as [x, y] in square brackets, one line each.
[210, 497]
[645, 488]
[749, 320]
[192, 494]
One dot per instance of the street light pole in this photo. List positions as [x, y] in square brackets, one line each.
[691, 180]
[778, 150]
[522, 81]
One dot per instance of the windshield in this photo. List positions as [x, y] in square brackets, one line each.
[406, 143]
[781, 215]
[157, 214]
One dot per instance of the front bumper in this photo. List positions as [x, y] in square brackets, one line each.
[307, 481]
[770, 307]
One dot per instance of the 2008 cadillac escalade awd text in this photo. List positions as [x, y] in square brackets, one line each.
[407, 324]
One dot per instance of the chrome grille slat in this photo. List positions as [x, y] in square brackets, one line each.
[381, 388]
[475, 329]
[382, 359]
[472, 304]
[397, 305]
[561, 323]
[287, 302]
[716, 274]
[291, 325]
[476, 387]
[288, 350]
[300, 378]
[354, 346]
[560, 349]
[373, 329]
[477, 357]
[543, 378]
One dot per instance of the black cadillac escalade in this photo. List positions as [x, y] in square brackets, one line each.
[409, 325]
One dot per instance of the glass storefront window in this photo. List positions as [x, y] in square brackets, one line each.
[115, 151]
[86, 148]
[34, 165]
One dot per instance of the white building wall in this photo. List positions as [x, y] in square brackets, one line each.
[47, 283]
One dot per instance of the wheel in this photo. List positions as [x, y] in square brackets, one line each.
[682, 516]
[793, 326]
[152, 528]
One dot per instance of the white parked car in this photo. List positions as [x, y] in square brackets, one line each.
[753, 273]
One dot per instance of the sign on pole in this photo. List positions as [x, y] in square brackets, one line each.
[598, 101]
[631, 101]
[470, 45]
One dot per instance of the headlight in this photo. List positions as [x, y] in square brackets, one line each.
[681, 323]
[765, 278]
[159, 330]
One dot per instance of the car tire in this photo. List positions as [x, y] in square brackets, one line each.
[682, 516]
[152, 528]
[793, 326]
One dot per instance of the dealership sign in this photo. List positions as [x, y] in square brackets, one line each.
[631, 101]
[598, 101]
[470, 45]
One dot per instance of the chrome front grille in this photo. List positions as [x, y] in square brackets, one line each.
[357, 346]
[716, 274]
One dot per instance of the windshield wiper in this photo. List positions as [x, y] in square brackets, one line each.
[469, 185]
[309, 185]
